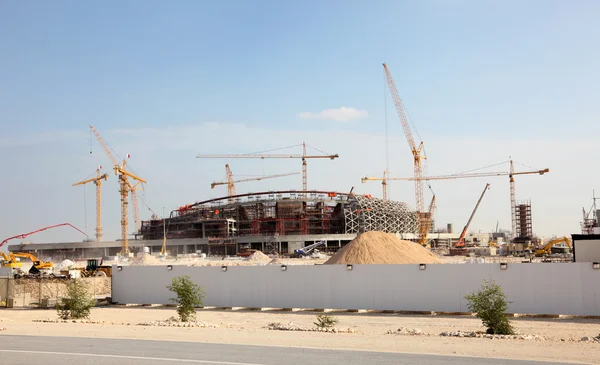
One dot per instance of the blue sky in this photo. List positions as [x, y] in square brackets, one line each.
[481, 80]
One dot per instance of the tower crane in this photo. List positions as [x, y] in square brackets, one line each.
[125, 188]
[461, 239]
[416, 153]
[98, 182]
[428, 221]
[302, 156]
[511, 174]
[230, 182]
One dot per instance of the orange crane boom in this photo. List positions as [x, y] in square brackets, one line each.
[98, 182]
[461, 239]
[230, 182]
[125, 188]
[302, 156]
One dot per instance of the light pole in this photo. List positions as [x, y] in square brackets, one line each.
[163, 249]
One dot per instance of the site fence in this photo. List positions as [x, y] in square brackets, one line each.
[548, 288]
[45, 293]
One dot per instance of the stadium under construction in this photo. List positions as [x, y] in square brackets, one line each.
[273, 222]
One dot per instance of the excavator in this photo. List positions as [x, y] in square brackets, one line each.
[547, 249]
[9, 260]
[38, 267]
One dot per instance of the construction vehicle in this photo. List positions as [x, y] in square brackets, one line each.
[547, 249]
[9, 260]
[308, 249]
[38, 267]
[23, 235]
[93, 268]
[461, 239]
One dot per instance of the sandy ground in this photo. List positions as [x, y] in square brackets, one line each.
[247, 327]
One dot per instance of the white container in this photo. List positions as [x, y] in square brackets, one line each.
[146, 249]
[202, 255]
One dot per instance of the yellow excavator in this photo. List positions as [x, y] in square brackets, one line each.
[9, 260]
[547, 249]
[38, 267]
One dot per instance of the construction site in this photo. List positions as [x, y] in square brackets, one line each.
[283, 223]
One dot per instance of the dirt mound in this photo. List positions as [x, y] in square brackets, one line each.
[258, 257]
[382, 248]
[145, 260]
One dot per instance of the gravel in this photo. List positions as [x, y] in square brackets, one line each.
[485, 335]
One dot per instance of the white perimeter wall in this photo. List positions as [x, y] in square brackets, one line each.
[548, 288]
[587, 250]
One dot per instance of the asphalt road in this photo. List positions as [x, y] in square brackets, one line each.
[28, 350]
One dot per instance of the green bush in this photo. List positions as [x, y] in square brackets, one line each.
[490, 305]
[189, 296]
[324, 321]
[77, 303]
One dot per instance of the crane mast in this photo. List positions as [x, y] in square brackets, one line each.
[98, 182]
[125, 187]
[302, 156]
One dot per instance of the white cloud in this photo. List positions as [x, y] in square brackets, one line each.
[342, 114]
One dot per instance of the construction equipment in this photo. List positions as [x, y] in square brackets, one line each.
[510, 174]
[416, 151]
[9, 260]
[547, 249]
[125, 188]
[38, 267]
[303, 156]
[94, 269]
[98, 182]
[426, 227]
[461, 239]
[308, 249]
[493, 244]
[23, 235]
[230, 182]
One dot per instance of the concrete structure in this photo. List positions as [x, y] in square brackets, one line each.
[552, 288]
[586, 247]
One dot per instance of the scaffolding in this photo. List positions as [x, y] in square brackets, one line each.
[523, 222]
[372, 214]
[283, 213]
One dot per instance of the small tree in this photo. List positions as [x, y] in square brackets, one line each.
[189, 296]
[77, 303]
[324, 321]
[490, 304]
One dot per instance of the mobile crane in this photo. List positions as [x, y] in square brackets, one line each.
[308, 249]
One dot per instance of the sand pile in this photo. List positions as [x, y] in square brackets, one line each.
[65, 265]
[382, 248]
[145, 260]
[258, 257]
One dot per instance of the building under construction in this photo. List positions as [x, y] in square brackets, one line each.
[281, 221]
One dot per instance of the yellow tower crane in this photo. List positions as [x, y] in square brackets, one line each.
[303, 157]
[98, 182]
[231, 183]
[125, 188]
